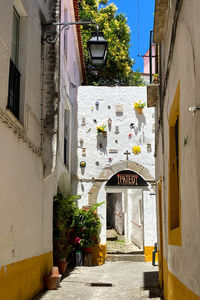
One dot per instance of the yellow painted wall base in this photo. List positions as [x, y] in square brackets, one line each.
[99, 254]
[174, 289]
[148, 253]
[24, 279]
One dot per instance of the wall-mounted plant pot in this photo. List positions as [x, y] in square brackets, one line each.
[104, 133]
[139, 110]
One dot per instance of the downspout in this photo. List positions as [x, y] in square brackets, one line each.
[55, 136]
[150, 56]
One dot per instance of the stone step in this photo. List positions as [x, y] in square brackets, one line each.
[125, 257]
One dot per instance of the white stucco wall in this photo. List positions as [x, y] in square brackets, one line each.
[70, 79]
[184, 68]
[142, 133]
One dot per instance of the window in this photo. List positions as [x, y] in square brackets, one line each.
[15, 38]
[14, 74]
[174, 171]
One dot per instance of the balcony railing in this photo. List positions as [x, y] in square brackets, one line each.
[13, 90]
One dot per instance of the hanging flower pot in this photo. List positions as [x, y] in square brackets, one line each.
[104, 133]
[139, 110]
[101, 130]
[139, 106]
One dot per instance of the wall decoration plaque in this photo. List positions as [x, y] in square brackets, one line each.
[113, 150]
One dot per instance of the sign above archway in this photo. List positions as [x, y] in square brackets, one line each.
[126, 178]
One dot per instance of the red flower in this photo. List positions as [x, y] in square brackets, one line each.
[77, 240]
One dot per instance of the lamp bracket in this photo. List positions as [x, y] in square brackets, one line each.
[50, 39]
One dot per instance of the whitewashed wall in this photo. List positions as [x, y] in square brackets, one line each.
[142, 133]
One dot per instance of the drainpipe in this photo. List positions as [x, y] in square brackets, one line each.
[55, 136]
[150, 55]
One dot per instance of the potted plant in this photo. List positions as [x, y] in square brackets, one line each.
[155, 78]
[64, 208]
[86, 227]
[101, 130]
[62, 250]
[139, 106]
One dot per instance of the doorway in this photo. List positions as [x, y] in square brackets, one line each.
[115, 214]
[121, 216]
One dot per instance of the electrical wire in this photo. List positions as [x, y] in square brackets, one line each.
[138, 11]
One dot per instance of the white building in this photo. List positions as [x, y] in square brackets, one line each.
[176, 98]
[108, 173]
[32, 153]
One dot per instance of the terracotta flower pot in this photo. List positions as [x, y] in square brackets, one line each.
[62, 266]
[51, 282]
[54, 271]
[139, 110]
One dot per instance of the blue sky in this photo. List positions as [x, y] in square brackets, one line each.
[146, 10]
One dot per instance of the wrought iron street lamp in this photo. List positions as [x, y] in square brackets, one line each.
[97, 48]
[97, 45]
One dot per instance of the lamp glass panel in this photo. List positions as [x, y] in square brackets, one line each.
[97, 50]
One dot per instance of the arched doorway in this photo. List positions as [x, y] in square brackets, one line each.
[100, 191]
[124, 212]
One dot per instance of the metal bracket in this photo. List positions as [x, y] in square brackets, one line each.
[194, 109]
[50, 39]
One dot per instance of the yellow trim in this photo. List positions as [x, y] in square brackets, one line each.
[24, 279]
[148, 254]
[99, 254]
[160, 252]
[174, 289]
[174, 203]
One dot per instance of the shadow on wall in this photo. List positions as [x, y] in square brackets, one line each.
[74, 141]
[102, 143]
[141, 120]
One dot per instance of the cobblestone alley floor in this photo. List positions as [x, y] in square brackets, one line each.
[128, 280]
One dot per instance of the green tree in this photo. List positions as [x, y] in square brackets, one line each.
[118, 67]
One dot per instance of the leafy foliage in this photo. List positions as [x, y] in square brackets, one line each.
[118, 67]
[73, 228]
[64, 209]
[86, 225]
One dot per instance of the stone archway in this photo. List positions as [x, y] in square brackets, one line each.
[108, 172]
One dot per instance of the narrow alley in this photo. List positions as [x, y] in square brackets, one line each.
[113, 280]
[100, 143]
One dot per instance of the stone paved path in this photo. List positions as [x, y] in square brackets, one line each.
[117, 244]
[130, 280]
[121, 247]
